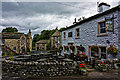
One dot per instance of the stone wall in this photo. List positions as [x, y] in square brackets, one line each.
[11, 43]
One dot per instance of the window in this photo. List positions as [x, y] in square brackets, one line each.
[3, 41]
[102, 28]
[56, 38]
[14, 48]
[103, 52]
[64, 35]
[70, 34]
[77, 33]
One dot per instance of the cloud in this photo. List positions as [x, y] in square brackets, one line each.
[39, 16]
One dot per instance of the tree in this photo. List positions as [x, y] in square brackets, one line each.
[48, 45]
[10, 29]
[45, 35]
[61, 29]
[35, 39]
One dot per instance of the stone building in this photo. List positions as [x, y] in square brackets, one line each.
[41, 45]
[17, 42]
[56, 39]
[94, 31]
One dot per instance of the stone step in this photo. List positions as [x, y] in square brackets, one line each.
[90, 70]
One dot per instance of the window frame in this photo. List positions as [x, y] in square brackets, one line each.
[101, 34]
[99, 54]
[77, 37]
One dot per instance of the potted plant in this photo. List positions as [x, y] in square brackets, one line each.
[82, 69]
[112, 50]
[102, 66]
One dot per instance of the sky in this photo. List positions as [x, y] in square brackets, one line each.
[39, 16]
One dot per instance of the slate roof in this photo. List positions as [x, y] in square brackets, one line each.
[12, 35]
[57, 33]
[42, 42]
[94, 17]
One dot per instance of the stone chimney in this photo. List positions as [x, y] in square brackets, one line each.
[75, 21]
[103, 7]
[119, 3]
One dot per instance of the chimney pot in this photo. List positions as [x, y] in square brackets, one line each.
[103, 7]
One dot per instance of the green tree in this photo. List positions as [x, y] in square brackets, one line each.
[61, 29]
[35, 39]
[48, 45]
[10, 29]
[45, 35]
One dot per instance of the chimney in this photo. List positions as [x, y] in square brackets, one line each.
[102, 7]
[75, 21]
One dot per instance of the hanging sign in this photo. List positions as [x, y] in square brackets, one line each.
[109, 26]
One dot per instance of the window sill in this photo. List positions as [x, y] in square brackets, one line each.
[99, 35]
[77, 37]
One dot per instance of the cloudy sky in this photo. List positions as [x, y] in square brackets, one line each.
[39, 16]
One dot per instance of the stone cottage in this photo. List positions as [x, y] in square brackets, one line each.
[102, 30]
[56, 39]
[41, 45]
[17, 42]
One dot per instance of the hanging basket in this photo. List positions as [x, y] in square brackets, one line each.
[112, 50]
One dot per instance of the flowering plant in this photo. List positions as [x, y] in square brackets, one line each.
[82, 69]
[102, 66]
[82, 65]
[81, 56]
[112, 50]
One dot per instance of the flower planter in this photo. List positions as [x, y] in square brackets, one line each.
[112, 50]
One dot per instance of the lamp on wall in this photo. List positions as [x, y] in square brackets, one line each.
[108, 41]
